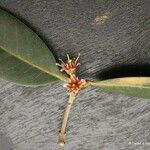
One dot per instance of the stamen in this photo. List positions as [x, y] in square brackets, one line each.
[65, 85]
[68, 57]
[77, 58]
[69, 60]
[61, 61]
[58, 65]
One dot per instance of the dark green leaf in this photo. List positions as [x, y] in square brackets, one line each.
[24, 57]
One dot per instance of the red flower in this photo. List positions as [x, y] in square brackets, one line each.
[70, 66]
[74, 84]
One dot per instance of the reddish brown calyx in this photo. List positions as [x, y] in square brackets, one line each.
[74, 84]
[70, 66]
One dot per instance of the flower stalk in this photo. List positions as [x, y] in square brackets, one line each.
[62, 133]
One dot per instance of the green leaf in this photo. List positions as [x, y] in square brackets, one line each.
[132, 86]
[24, 57]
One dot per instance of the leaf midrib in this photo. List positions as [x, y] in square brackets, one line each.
[32, 64]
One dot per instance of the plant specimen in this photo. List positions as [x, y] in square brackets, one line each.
[26, 60]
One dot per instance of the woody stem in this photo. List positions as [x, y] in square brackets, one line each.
[61, 138]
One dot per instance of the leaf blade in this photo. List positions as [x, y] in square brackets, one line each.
[21, 43]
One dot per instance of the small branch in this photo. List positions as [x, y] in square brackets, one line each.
[61, 138]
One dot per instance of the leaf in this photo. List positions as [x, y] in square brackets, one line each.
[132, 86]
[24, 57]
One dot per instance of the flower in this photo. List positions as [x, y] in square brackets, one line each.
[74, 84]
[70, 66]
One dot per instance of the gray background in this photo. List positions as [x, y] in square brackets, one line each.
[107, 33]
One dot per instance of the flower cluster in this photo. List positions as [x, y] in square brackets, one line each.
[70, 66]
[74, 84]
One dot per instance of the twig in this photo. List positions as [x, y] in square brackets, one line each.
[61, 138]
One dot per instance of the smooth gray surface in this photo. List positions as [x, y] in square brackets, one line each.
[106, 33]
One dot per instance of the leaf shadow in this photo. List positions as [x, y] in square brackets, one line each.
[129, 70]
